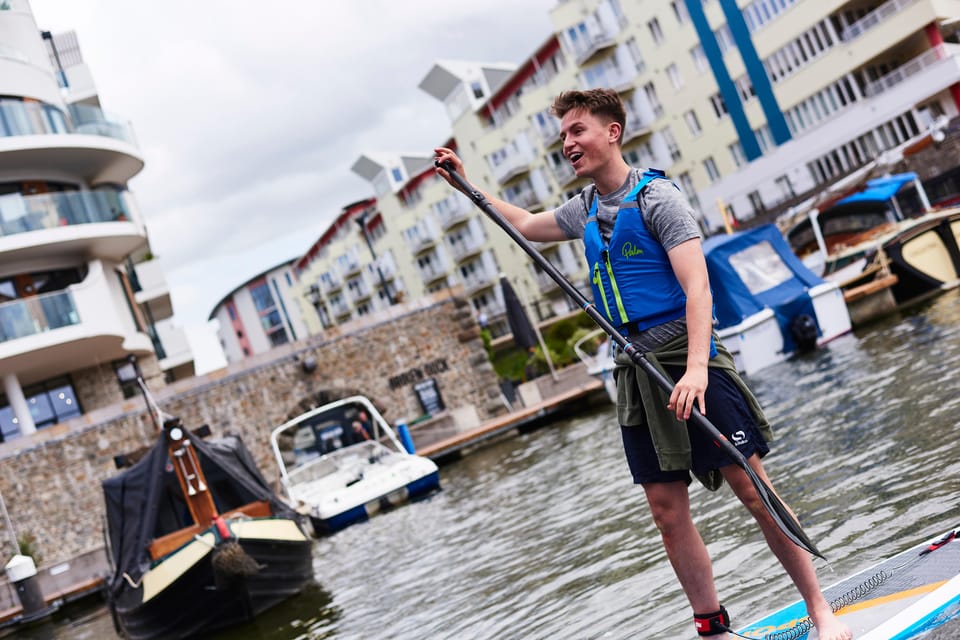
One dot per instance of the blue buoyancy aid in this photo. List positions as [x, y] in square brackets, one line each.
[632, 280]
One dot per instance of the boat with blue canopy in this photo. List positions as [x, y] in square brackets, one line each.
[884, 244]
[767, 304]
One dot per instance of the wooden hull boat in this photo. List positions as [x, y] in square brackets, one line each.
[198, 541]
[880, 258]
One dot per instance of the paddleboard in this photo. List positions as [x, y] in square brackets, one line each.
[896, 599]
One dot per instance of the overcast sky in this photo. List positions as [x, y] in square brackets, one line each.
[250, 114]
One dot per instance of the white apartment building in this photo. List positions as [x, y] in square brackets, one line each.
[79, 292]
[353, 269]
[262, 313]
[764, 102]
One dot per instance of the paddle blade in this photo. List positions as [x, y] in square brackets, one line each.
[782, 516]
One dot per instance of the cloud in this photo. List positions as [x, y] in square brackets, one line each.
[250, 114]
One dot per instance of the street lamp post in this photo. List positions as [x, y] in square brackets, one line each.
[317, 301]
[362, 221]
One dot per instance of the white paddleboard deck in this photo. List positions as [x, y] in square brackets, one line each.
[897, 599]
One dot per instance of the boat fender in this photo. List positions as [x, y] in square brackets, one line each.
[709, 624]
[803, 329]
[404, 432]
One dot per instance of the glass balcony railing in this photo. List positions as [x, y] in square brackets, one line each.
[19, 118]
[37, 314]
[19, 213]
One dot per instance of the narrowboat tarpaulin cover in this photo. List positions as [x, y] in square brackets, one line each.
[146, 502]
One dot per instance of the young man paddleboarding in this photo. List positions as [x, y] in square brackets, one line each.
[649, 277]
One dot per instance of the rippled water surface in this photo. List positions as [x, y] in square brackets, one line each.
[544, 536]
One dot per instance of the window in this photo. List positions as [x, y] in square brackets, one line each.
[49, 402]
[711, 167]
[760, 267]
[673, 72]
[680, 11]
[655, 31]
[672, 145]
[635, 53]
[477, 90]
[9, 425]
[270, 321]
[690, 117]
[719, 106]
[756, 202]
[736, 151]
[699, 59]
[765, 139]
[127, 372]
[651, 94]
[686, 185]
[397, 175]
[262, 299]
[725, 39]
[786, 188]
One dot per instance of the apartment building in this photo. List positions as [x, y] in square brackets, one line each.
[262, 313]
[763, 103]
[748, 106]
[79, 290]
[352, 269]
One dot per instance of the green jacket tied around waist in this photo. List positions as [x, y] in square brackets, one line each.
[670, 436]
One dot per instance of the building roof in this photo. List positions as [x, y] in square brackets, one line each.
[285, 263]
[446, 75]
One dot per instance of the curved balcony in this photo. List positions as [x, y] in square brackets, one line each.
[37, 138]
[96, 223]
[83, 325]
[154, 292]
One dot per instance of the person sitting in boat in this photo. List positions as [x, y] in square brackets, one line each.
[358, 432]
[649, 277]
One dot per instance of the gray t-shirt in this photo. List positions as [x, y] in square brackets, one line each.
[667, 215]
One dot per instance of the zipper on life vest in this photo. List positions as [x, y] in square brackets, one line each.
[613, 285]
[597, 280]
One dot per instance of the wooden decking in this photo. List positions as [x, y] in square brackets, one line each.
[447, 447]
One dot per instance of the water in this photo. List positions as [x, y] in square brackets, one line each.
[544, 536]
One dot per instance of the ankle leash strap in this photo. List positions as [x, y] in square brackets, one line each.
[709, 624]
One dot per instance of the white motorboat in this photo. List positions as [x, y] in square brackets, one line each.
[599, 364]
[342, 463]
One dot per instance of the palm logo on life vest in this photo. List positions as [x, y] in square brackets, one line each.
[629, 250]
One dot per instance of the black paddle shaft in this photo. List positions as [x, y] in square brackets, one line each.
[781, 516]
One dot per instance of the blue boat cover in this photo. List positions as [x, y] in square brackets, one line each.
[880, 189]
[755, 269]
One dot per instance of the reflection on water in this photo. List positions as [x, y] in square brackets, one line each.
[544, 536]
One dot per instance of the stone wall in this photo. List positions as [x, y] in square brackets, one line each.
[98, 387]
[50, 481]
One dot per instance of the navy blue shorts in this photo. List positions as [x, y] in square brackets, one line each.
[727, 410]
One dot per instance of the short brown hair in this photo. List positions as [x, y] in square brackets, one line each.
[603, 103]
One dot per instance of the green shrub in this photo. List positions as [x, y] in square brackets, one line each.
[28, 546]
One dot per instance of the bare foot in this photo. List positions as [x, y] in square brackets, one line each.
[829, 627]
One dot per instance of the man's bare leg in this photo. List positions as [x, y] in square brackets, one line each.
[795, 560]
[670, 506]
